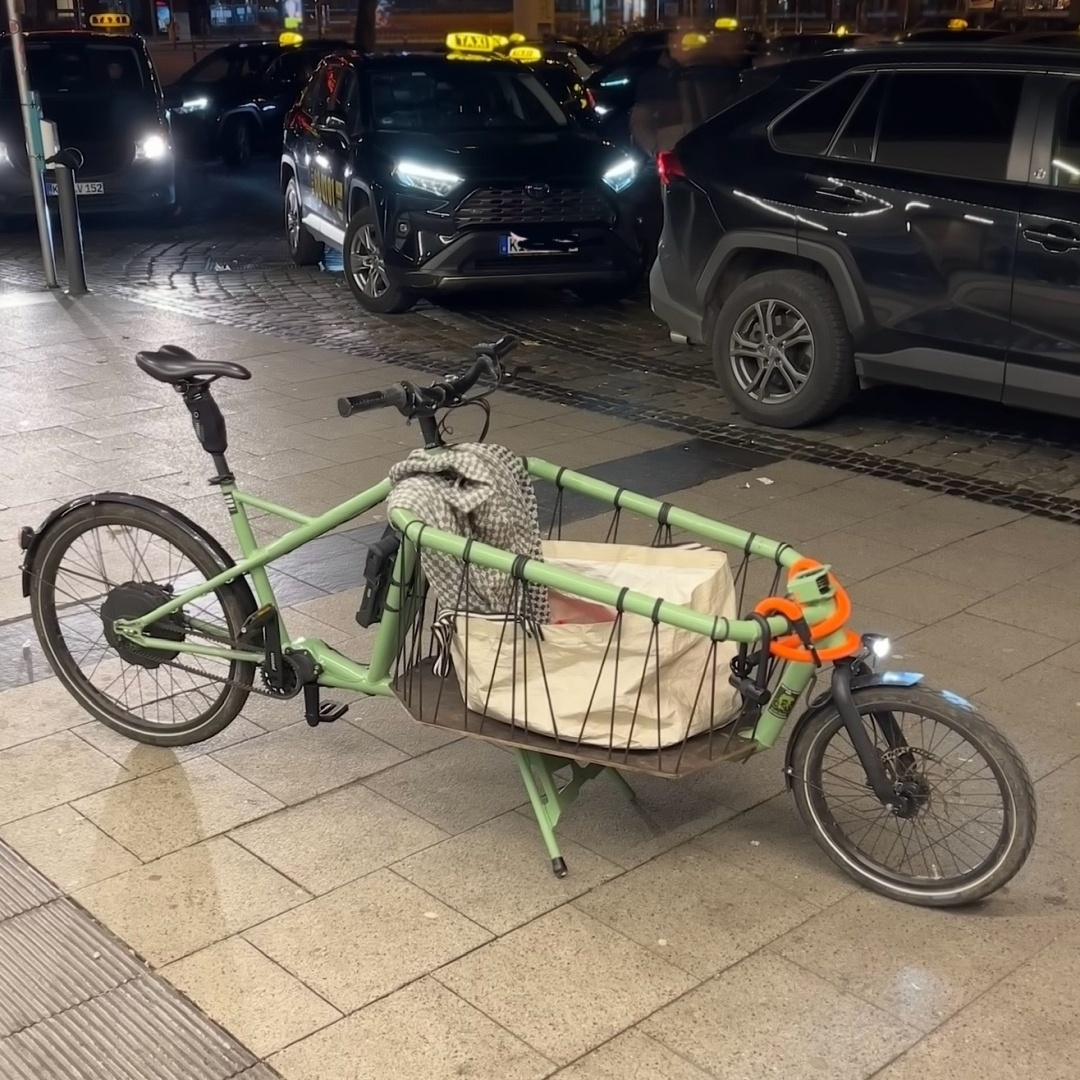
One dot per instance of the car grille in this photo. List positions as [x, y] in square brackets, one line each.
[104, 158]
[515, 206]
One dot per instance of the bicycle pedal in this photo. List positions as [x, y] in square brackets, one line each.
[320, 712]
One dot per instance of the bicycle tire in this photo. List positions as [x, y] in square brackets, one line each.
[1004, 763]
[54, 544]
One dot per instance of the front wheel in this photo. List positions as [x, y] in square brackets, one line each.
[967, 819]
[365, 268]
[109, 561]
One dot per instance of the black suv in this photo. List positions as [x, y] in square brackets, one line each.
[233, 102]
[433, 173]
[102, 93]
[898, 216]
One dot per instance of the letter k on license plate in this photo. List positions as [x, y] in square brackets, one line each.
[88, 188]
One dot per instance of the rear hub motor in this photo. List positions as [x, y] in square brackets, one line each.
[132, 600]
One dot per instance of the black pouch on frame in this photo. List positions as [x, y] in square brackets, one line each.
[378, 570]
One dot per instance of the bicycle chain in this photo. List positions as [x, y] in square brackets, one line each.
[223, 679]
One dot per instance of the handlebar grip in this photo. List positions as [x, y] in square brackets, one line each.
[394, 397]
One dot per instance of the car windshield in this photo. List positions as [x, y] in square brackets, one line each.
[76, 69]
[461, 97]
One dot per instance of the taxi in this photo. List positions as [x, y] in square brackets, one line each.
[100, 89]
[433, 172]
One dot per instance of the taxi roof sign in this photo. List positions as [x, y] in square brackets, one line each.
[694, 41]
[516, 39]
[109, 20]
[726, 24]
[526, 54]
[290, 37]
[471, 43]
[958, 24]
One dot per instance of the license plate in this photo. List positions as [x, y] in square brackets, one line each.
[514, 244]
[81, 188]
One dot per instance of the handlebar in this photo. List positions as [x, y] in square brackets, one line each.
[409, 399]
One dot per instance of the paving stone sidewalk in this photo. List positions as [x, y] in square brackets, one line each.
[370, 899]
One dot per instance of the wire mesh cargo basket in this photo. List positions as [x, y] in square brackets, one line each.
[557, 671]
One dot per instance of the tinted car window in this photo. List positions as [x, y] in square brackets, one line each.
[470, 97]
[346, 100]
[855, 142]
[809, 128]
[77, 69]
[318, 91]
[955, 123]
[1066, 157]
[215, 68]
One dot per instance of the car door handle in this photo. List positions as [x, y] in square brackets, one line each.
[1057, 242]
[843, 194]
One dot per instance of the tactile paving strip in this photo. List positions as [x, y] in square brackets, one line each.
[76, 1004]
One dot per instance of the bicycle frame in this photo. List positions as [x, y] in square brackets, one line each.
[374, 679]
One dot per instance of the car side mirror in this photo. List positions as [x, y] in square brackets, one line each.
[173, 97]
[334, 125]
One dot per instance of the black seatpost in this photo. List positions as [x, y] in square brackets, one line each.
[209, 425]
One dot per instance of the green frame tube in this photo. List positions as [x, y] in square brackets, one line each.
[337, 670]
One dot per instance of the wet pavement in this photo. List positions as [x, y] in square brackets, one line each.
[225, 260]
[368, 899]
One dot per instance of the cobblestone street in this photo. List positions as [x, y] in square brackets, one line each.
[225, 261]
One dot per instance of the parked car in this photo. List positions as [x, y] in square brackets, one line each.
[430, 173]
[883, 216]
[103, 94]
[233, 102]
[786, 47]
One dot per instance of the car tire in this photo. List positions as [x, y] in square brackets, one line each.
[785, 327]
[304, 249]
[365, 268]
[237, 139]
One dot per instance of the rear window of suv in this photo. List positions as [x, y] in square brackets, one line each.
[953, 123]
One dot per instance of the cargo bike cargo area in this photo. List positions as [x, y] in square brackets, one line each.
[593, 632]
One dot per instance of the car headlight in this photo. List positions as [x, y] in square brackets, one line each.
[152, 148]
[621, 175]
[194, 105]
[412, 174]
[5, 157]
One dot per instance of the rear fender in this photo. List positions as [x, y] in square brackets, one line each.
[30, 539]
[824, 701]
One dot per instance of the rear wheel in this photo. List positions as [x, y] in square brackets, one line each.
[782, 351]
[108, 561]
[304, 249]
[967, 806]
[365, 268]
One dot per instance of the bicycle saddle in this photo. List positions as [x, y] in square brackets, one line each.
[171, 364]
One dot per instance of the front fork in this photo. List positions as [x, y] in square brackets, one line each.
[882, 785]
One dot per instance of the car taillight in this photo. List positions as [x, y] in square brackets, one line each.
[590, 97]
[669, 167]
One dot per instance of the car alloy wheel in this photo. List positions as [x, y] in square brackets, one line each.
[771, 351]
[366, 263]
[292, 217]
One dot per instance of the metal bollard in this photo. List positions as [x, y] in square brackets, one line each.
[64, 166]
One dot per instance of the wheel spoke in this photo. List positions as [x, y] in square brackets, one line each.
[946, 833]
[130, 570]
